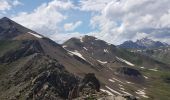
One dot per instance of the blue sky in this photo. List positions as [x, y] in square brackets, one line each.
[114, 21]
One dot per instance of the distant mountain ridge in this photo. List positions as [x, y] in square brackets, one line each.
[144, 43]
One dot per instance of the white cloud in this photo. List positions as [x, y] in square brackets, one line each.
[164, 20]
[121, 20]
[4, 5]
[45, 18]
[8, 4]
[93, 5]
[72, 26]
[114, 21]
[16, 3]
[140, 36]
[62, 37]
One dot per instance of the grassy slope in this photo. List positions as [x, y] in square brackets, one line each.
[6, 46]
[158, 89]
[163, 57]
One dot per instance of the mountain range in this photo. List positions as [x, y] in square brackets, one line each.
[33, 67]
[144, 43]
[154, 49]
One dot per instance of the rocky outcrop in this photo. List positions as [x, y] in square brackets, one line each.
[58, 82]
[130, 74]
[26, 48]
[90, 81]
[54, 83]
[129, 71]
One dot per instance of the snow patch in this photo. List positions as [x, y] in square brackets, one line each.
[125, 61]
[120, 85]
[108, 92]
[106, 51]
[113, 90]
[142, 67]
[36, 35]
[77, 54]
[126, 92]
[64, 46]
[129, 82]
[155, 69]
[118, 80]
[108, 43]
[111, 80]
[81, 39]
[122, 88]
[85, 48]
[142, 93]
[145, 77]
[103, 62]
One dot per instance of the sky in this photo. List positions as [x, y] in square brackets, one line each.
[114, 21]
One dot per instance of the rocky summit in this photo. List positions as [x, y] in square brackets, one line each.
[144, 43]
[33, 67]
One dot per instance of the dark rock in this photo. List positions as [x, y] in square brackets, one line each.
[27, 48]
[91, 81]
[59, 80]
[128, 71]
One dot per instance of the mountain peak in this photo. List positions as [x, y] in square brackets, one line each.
[144, 43]
[5, 18]
[145, 39]
[6, 21]
[9, 29]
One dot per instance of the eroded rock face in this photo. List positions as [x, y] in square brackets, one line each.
[56, 83]
[53, 83]
[130, 74]
[129, 71]
[91, 81]
[27, 48]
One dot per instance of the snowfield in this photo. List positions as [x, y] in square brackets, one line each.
[85, 48]
[64, 46]
[113, 90]
[142, 93]
[125, 61]
[129, 82]
[102, 62]
[109, 93]
[126, 92]
[81, 39]
[155, 69]
[106, 51]
[36, 35]
[118, 80]
[77, 54]
[111, 80]
[142, 67]
[145, 77]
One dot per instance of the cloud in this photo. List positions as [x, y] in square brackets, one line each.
[16, 3]
[62, 37]
[121, 20]
[8, 4]
[114, 21]
[93, 5]
[72, 26]
[45, 19]
[4, 5]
